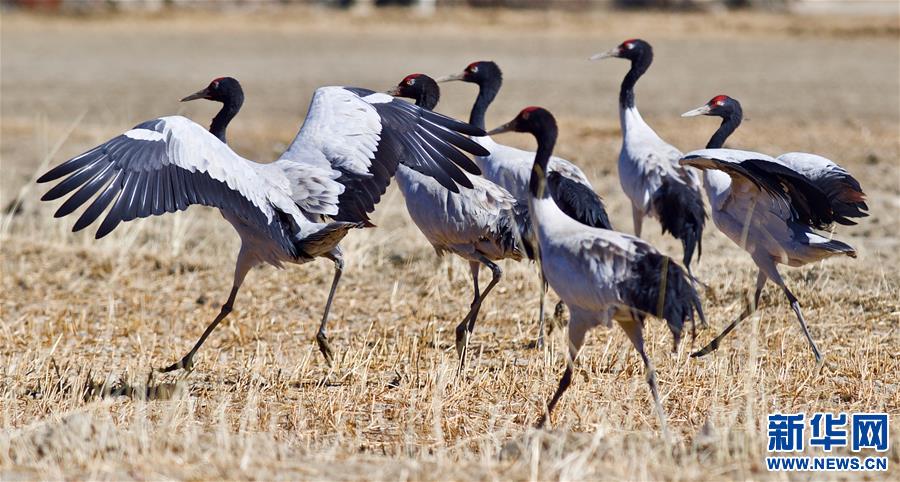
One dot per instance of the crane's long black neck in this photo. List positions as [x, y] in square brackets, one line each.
[639, 65]
[231, 106]
[487, 91]
[546, 140]
[729, 124]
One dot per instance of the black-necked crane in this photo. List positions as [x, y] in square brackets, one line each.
[510, 167]
[481, 224]
[293, 210]
[601, 275]
[648, 166]
[771, 207]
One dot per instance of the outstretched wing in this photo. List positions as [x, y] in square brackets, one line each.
[807, 203]
[843, 190]
[166, 165]
[364, 135]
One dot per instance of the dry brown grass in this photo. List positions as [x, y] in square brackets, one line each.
[83, 322]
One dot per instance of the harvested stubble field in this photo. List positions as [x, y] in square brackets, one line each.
[84, 322]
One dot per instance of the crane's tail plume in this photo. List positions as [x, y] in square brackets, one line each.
[660, 287]
[681, 212]
[324, 240]
[524, 233]
[846, 197]
[837, 247]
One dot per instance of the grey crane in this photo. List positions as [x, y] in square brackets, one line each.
[771, 207]
[648, 166]
[601, 275]
[511, 168]
[293, 210]
[481, 225]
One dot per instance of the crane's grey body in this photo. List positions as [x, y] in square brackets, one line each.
[473, 223]
[584, 265]
[645, 161]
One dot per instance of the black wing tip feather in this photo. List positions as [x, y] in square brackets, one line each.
[809, 201]
[578, 201]
[453, 124]
[682, 213]
[680, 300]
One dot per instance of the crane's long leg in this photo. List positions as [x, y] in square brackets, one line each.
[243, 266]
[472, 316]
[634, 331]
[541, 323]
[462, 333]
[748, 310]
[775, 276]
[577, 331]
[637, 217]
[321, 338]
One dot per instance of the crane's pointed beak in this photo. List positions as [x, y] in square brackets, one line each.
[613, 52]
[509, 126]
[451, 77]
[394, 92]
[200, 94]
[702, 110]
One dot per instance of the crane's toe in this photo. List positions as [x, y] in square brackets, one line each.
[186, 363]
[462, 337]
[706, 350]
[325, 348]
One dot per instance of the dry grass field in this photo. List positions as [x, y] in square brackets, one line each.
[84, 322]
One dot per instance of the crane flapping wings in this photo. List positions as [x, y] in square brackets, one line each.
[806, 202]
[363, 136]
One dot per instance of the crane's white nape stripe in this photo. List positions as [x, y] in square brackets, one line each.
[144, 135]
[378, 98]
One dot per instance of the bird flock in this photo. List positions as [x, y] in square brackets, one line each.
[481, 200]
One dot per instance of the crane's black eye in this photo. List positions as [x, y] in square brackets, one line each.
[214, 85]
[473, 69]
[411, 82]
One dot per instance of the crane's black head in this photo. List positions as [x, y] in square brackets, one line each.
[719, 106]
[481, 73]
[534, 120]
[419, 87]
[226, 90]
[635, 50]
[540, 123]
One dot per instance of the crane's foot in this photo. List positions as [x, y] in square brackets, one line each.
[462, 337]
[325, 348]
[820, 360]
[559, 314]
[541, 422]
[706, 350]
[186, 364]
[539, 343]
